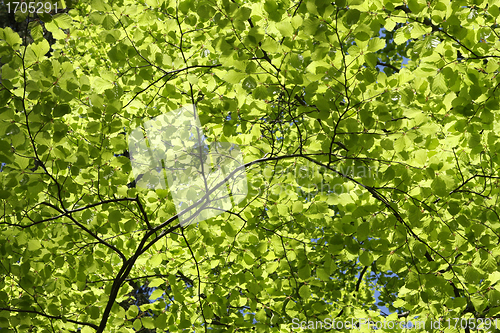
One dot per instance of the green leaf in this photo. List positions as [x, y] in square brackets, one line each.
[208, 312]
[8, 73]
[305, 272]
[243, 13]
[129, 226]
[421, 157]
[366, 258]
[439, 84]
[63, 20]
[249, 83]
[375, 44]
[297, 21]
[305, 292]
[161, 322]
[61, 110]
[40, 49]
[400, 37]
[396, 263]
[363, 231]
[11, 37]
[108, 22]
[438, 186]
[389, 24]
[137, 324]
[297, 207]
[233, 76]
[156, 260]
[152, 3]
[255, 35]
[352, 16]
[12, 130]
[156, 294]
[5, 148]
[132, 312]
[270, 45]
[322, 274]
[114, 216]
[285, 28]
[97, 17]
[99, 5]
[155, 283]
[479, 303]
[271, 7]
[33, 245]
[248, 259]
[419, 250]
[148, 322]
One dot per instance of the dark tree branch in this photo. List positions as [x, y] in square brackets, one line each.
[50, 316]
[391, 66]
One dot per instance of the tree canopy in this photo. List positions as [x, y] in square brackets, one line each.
[343, 152]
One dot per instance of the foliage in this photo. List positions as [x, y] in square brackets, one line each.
[363, 173]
